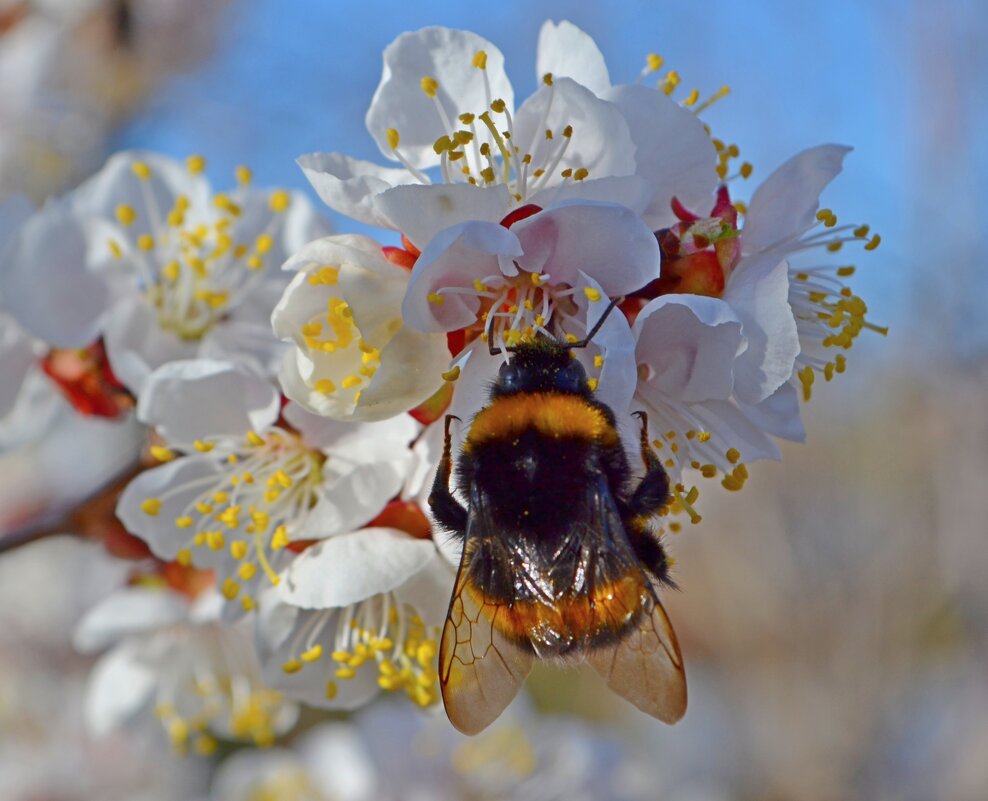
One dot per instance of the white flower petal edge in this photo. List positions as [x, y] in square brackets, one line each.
[351, 567]
[354, 358]
[785, 205]
[46, 283]
[202, 398]
[566, 51]
[758, 292]
[449, 59]
[126, 612]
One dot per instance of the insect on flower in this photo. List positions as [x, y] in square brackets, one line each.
[558, 559]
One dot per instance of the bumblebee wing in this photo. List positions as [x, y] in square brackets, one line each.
[480, 670]
[645, 665]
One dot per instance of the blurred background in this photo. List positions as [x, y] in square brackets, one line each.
[834, 615]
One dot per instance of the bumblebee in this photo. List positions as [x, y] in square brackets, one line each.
[558, 561]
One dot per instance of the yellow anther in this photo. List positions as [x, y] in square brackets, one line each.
[846, 272]
[151, 506]
[480, 60]
[195, 164]
[592, 384]
[184, 557]
[238, 549]
[205, 745]
[442, 144]
[708, 470]
[215, 540]
[264, 243]
[345, 673]
[671, 82]
[498, 106]
[115, 248]
[184, 522]
[350, 381]
[571, 338]
[254, 439]
[247, 603]
[479, 285]
[488, 175]
[580, 174]
[291, 666]
[593, 295]
[692, 97]
[746, 170]
[161, 453]
[568, 131]
[280, 538]
[247, 571]
[145, 242]
[833, 247]
[393, 138]
[254, 262]
[547, 79]
[126, 214]
[436, 298]
[204, 508]
[654, 62]
[279, 201]
[202, 446]
[243, 175]
[806, 376]
[429, 85]
[230, 589]
[199, 539]
[141, 170]
[325, 386]
[451, 374]
[330, 690]
[873, 243]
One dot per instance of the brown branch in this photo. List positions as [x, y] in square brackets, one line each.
[89, 519]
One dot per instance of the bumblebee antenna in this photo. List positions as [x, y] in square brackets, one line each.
[597, 326]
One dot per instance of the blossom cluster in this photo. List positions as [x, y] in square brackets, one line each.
[291, 383]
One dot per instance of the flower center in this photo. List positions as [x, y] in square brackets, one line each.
[379, 633]
[267, 486]
[480, 147]
[210, 690]
[188, 262]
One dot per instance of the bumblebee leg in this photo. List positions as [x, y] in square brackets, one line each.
[448, 511]
[653, 491]
[651, 494]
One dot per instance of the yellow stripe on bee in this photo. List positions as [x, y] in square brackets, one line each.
[560, 416]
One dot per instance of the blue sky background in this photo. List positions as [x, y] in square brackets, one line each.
[901, 82]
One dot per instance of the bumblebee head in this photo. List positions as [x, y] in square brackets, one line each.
[543, 365]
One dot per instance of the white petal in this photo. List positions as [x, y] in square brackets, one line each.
[618, 376]
[478, 369]
[346, 569]
[136, 344]
[241, 776]
[177, 484]
[127, 612]
[252, 345]
[410, 373]
[568, 52]
[421, 212]
[14, 212]
[446, 56]
[758, 291]
[17, 357]
[339, 761]
[607, 242]
[116, 184]
[624, 190]
[601, 141]
[356, 497]
[690, 342]
[119, 685]
[47, 284]
[673, 152]
[732, 429]
[349, 437]
[455, 258]
[785, 205]
[429, 590]
[200, 398]
[778, 414]
[349, 186]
